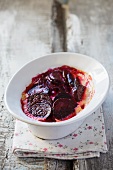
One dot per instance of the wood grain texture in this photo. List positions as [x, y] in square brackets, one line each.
[95, 38]
[55, 164]
[23, 36]
[58, 27]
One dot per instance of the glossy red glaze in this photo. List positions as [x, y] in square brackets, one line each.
[62, 84]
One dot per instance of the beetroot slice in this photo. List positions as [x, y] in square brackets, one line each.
[39, 105]
[56, 77]
[39, 98]
[63, 95]
[78, 94]
[63, 108]
[40, 110]
[69, 78]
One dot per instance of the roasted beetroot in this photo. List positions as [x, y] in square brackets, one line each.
[40, 110]
[39, 105]
[78, 90]
[63, 95]
[63, 106]
[54, 94]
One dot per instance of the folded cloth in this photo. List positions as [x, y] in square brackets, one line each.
[86, 142]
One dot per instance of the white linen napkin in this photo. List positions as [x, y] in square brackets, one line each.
[86, 142]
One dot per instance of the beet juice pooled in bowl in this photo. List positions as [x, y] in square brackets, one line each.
[57, 94]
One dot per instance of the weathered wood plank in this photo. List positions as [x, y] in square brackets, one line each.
[96, 39]
[54, 164]
[23, 37]
[59, 26]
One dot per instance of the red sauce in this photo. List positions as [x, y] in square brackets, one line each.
[54, 95]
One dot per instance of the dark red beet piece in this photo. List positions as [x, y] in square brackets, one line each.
[63, 95]
[40, 110]
[78, 94]
[69, 78]
[63, 108]
[78, 90]
[40, 98]
[56, 77]
[39, 105]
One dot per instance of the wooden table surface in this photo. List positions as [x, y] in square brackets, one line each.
[32, 28]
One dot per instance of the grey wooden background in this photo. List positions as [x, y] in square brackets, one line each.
[28, 29]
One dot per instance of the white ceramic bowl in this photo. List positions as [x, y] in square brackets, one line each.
[22, 78]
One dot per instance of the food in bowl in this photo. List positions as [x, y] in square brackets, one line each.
[57, 94]
[55, 130]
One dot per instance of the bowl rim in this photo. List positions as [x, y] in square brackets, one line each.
[61, 123]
